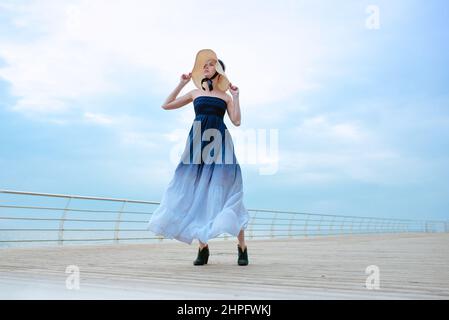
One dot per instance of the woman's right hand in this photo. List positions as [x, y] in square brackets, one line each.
[185, 78]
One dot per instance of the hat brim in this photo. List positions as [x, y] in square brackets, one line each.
[197, 73]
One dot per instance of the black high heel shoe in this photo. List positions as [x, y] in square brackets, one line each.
[203, 256]
[243, 256]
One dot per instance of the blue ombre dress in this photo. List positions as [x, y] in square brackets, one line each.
[204, 199]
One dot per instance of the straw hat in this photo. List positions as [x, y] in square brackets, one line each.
[197, 73]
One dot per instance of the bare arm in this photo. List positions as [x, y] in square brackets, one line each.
[234, 106]
[174, 103]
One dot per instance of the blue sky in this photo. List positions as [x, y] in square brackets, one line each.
[362, 115]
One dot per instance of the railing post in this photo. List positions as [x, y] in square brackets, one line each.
[352, 223]
[342, 224]
[331, 228]
[368, 226]
[383, 226]
[117, 223]
[272, 225]
[290, 226]
[388, 226]
[251, 225]
[398, 226]
[319, 226]
[393, 226]
[305, 225]
[360, 225]
[61, 223]
[376, 226]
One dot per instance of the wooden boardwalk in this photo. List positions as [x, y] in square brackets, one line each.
[411, 266]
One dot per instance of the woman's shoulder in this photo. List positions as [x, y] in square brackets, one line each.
[195, 93]
[228, 97]
[225, 96]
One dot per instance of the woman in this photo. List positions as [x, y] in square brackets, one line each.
[205, 196]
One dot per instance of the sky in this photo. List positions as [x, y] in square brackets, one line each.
[350, 99]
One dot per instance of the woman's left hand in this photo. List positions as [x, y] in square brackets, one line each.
[233, 89]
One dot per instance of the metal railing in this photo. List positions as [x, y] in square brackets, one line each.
[55, 218]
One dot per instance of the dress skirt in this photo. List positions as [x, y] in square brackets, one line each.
[204, 198]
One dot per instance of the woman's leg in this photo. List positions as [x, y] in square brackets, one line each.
[241, 238]
[202, 245]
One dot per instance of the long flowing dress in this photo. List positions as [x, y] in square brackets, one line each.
[204, 199]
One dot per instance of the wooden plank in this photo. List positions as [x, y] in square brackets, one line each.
[410, 265]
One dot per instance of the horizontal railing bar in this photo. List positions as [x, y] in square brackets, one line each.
[306, 234]
[250, 209]
[76, 196]
[327, 215]
[323, 225]
[321, 230]
[345, 233]
[158, 238]
[264, 223]
[71, 230]
[360, 220]
[317, 234]
[144, 213]
[70, 219]
[66, 240]
[145, 221]
[75, 210]
[145, 230]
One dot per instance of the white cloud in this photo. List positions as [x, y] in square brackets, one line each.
[321, 150]
[101, 119]
[133, 133]
[321, 127]
[382, 168]
[148, 141]
[78, 49]
[82, 48]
